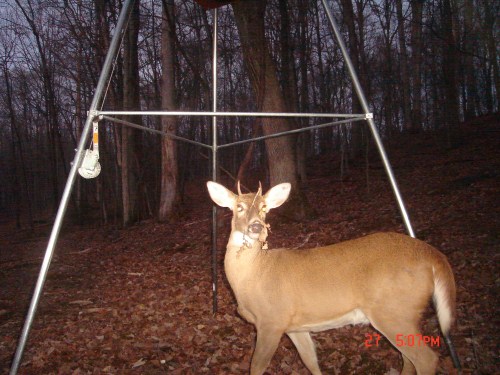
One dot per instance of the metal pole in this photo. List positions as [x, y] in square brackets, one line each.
[214, 164]
[288, 132]
[67, 189]
[371, 123]
[162, 133]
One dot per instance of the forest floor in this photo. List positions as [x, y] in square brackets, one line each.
[139, 301]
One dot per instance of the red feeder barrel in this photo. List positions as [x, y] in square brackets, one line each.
[210, 4]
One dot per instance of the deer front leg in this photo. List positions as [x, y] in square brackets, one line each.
[305, 346]
[267, 342]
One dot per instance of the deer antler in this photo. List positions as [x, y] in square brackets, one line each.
[239, 188]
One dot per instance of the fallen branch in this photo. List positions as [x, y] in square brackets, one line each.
[306, 240]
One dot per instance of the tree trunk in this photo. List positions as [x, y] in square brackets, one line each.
[16, 186]
[356, 131]
[131, 138]
[325, 82]
[416, 59]
[249, 153]
[111, 180]
[405, 76]
[450, 59]
[384, 14]
[302, 138]
[249, 16]
[491, 25]
[169, 197]
[470, 73]
[288, 81]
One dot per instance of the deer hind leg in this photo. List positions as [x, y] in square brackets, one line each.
[408, 368]
[267, 343]
[417, 357]
[305, 346]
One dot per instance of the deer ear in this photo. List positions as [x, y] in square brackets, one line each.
[220, 195]
[277, 195]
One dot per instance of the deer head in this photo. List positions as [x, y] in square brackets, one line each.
[249, 210]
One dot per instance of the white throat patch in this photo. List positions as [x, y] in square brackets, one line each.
[239, 239]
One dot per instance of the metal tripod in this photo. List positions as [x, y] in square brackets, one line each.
[94, 115]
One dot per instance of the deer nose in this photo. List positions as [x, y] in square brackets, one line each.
[255, 227]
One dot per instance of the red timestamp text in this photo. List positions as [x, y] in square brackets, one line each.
[417, 340]
[373, 339]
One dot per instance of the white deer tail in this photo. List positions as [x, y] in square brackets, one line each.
[444, 302]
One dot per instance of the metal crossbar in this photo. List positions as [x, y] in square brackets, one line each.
[236, 143]
[231, 114]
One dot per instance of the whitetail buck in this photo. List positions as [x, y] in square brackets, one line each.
[385, 279]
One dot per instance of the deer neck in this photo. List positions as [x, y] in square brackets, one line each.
[241, 258]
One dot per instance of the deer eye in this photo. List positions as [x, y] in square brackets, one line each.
[240, 208]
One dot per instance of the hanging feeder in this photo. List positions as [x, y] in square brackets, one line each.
[91, 167]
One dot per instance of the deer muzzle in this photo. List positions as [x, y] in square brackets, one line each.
[255, 228]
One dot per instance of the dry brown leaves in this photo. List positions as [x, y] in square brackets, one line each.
[139, 301]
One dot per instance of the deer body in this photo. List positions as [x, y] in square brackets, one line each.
[385, 279]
